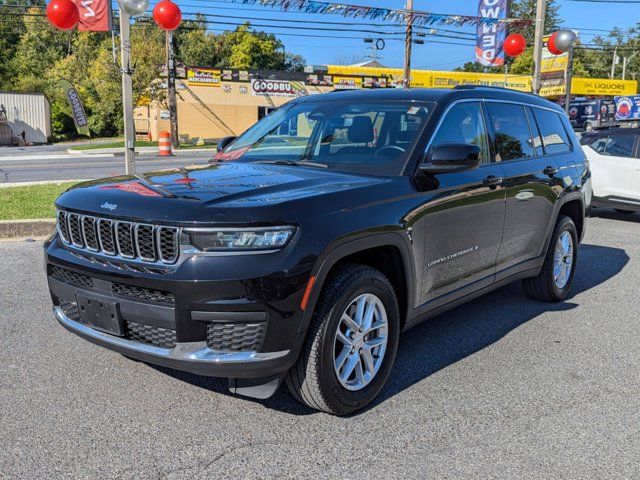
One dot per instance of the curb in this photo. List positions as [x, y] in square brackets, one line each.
[39, 227]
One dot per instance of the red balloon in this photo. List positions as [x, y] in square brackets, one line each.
[167, 15]
[551, 45]
[63, 14]
[514, 45]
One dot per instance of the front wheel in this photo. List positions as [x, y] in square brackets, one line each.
[351, 343]
[554, 281]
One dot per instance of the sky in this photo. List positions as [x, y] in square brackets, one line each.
[301, 36]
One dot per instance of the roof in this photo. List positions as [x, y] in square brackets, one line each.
[607, 131]
[434, 95]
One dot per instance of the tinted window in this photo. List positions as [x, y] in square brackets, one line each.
[554, 136]
[614, 145]
[352, 136]
[464, 124]
[511, 134]
[537, 141]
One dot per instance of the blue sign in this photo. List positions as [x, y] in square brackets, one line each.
[490, 37]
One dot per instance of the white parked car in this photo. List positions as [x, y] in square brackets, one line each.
[614, 156]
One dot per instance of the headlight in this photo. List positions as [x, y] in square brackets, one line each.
[238, 239]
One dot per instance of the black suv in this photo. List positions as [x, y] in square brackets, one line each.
[312, 240]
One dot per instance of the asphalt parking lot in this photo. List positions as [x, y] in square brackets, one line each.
[502, 387]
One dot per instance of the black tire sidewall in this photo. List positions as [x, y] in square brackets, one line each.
[564, 225]
[342, 399]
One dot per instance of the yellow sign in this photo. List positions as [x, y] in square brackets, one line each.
[550, 62]
[593, 86]
[347, 83]
[436, 79]
[204, 77]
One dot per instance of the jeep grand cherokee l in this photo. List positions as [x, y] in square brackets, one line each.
[321, 233]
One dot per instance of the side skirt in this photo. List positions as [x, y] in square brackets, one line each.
[433, 308]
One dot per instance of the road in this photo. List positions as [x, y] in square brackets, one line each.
[503, 387]
[54, 163]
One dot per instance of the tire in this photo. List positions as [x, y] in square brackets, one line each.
[624, 212]
[545, 286]
[313, 380]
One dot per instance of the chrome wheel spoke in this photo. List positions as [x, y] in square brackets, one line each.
[352, 361]
[367, 359]
[349, 322]
[346, 341]
[375, 342]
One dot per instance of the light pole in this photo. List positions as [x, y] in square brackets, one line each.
[541, 7]
[128, 9]
[625, 61]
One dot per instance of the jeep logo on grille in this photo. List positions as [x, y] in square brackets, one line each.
[109, 206]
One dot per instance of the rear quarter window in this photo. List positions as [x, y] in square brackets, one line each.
[554, 136]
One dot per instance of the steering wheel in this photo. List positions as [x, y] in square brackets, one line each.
[395, 147]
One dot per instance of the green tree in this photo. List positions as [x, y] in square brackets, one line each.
[526, 9]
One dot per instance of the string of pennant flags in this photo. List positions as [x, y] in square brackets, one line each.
[420, 18]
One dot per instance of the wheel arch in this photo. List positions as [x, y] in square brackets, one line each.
[388, 252]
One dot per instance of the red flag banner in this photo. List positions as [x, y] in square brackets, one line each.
[95, 15]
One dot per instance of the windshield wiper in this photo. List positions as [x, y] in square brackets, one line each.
[295, 164]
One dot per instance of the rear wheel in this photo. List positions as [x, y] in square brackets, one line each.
[554, 280]
[351, 343]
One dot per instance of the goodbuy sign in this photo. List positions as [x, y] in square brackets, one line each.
[490, 38]
[273, 88]
[95, 15]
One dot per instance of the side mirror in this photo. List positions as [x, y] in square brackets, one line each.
[452, 157]
[224, 142]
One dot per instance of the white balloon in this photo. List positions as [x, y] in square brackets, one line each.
[566, 40]
[134, 7]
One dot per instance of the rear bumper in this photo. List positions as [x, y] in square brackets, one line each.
[193, 357]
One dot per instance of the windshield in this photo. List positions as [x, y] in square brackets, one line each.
[349, 136]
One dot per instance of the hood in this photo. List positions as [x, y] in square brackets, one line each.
[198, 193]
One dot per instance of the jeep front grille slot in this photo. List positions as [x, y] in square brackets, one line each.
[168, 244]
[75, 229]
[89, 233]
[105, 235]
[130, 240]
[124, 240]
[63, 226]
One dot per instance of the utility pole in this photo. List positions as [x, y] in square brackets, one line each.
[407, 46]
[171, 90]
[568, 77]
[613, 62]
[541, 8]
[625, 61]
[127, 92]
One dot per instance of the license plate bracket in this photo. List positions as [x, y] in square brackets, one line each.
[101, 313]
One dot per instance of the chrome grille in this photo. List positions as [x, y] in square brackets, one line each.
[124, 239]
[63, 226]
[130, 240]
[75, 229]
[105, 236]
[168, 247]
[89, 233]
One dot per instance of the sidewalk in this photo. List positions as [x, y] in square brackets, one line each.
[140, 151]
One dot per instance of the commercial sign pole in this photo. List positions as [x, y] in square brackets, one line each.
[568, 77]
[541, 8]
[171, 91]
[127, 92]
[407, 46]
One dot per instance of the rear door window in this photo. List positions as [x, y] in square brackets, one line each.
[554, 137]
[511, 134]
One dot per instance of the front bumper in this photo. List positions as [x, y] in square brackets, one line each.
[194, 357]
[206, 316]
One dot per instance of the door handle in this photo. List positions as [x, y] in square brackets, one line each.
[492, 181]
[550, 171]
